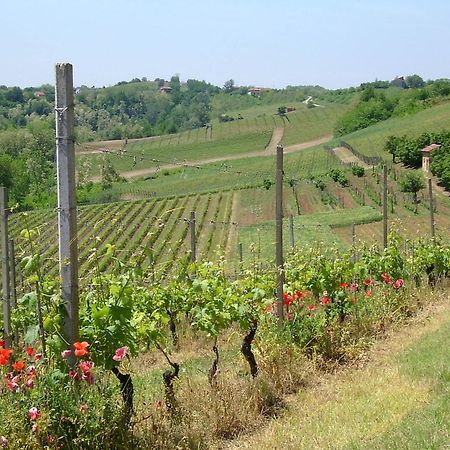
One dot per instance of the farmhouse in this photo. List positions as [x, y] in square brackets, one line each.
[38, 94]
[399, 82]
[258, 90]
[426, 156]
[166, 89]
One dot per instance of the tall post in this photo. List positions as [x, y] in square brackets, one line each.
[354, 241]
[279, 234]
[291, 229]
[67, 212]
[5, 266]
[12, 273]
[385, 206]
[192, 230]
[433, 225]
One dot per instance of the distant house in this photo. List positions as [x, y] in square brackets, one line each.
[399, 82]
[258, 90]
[39, 94]
[426, 156]
[166, 89]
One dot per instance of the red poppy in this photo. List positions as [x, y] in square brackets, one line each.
[5, 354]
[398, 284]
[368, 281]
[312, 307]
[344, 285]
[288, 299]
[2, 344]
[298, 295]
[369, 293]
[325, 301]
[81, 348]
[30, 351]
[18, 365]
[354, 287]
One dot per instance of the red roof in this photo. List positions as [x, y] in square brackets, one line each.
[430, 148]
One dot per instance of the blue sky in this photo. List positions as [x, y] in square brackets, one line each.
[262, 43]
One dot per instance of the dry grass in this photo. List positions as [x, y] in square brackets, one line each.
[357, 404]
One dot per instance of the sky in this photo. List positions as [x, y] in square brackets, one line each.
[262, 43]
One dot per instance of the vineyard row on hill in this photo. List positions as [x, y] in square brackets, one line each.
[159, 226]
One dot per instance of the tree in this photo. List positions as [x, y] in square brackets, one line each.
[228, 86]
[414, 81]
[412, 183]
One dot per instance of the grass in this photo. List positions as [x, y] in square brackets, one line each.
[309, 230]
[370, 141]
[308, 124]
[399, 400]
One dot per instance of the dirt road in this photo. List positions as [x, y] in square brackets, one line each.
[269, 150]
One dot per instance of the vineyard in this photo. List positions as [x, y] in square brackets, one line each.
[158, 226]
[188, 334]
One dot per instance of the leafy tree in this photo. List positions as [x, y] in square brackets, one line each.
[412, 183]
[228, 86]
[414, 81]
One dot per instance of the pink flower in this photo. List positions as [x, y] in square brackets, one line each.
[369, 293]
[354, 287]
[34, 413]
[3, 442]
[31, 370]
[88, 377]
[368, 281]
[289, 316]
[398, 284]
[38, 356]
[66, 353]
[312, 307]
[74, 374]
[13, 384]
[29, 383]
[120, 353]
[386, 278]
[158, 404]
[34, 428]
[86, 366]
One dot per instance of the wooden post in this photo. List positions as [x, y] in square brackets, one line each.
[385, 207]
[291, 229]
[12, 273]
[241, 255]
[279, 234]
[430, 196]
[67, 212]
[5, 266]
[192, 230]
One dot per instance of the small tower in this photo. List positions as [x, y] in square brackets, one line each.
[426, 156]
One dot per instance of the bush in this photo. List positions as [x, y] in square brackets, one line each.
[338, 176]
[358, 171]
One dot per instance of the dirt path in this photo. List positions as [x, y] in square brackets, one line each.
[277, 135]
[269, 150]
[347, 157]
